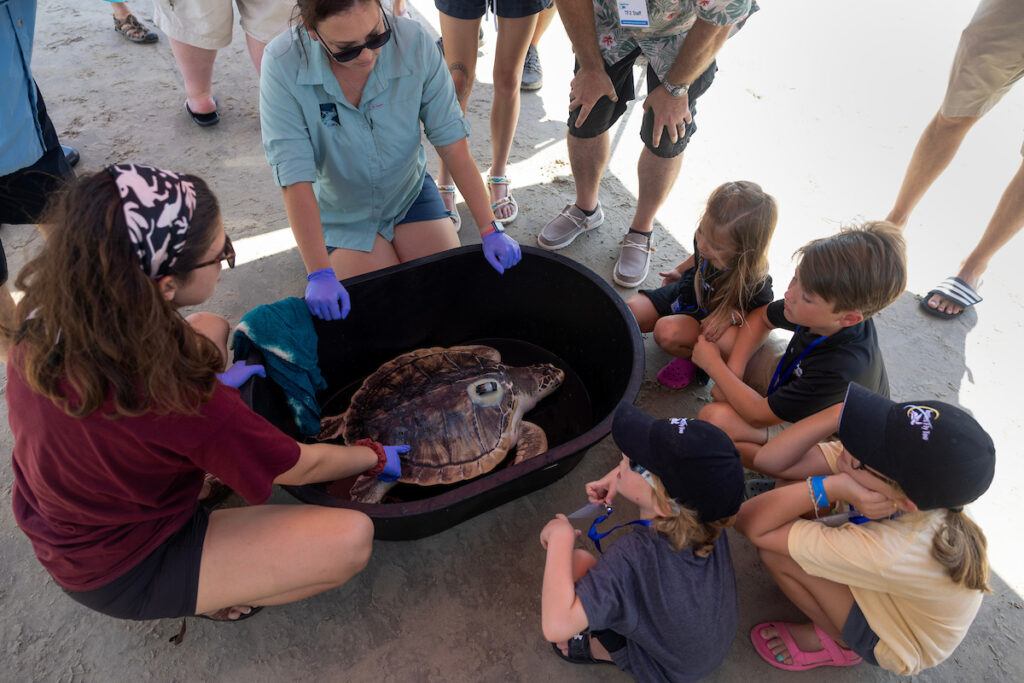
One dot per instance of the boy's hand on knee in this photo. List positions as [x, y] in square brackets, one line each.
[715, 325]
[706, 353]
[558, 527]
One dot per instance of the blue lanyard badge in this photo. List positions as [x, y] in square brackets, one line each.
[596, 536]
[782, 374]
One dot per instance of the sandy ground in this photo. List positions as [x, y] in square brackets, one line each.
[822, 103]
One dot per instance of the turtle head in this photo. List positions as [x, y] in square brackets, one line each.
[534, 382]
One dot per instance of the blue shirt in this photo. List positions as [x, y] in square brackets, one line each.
[21, 138]
[366, 163]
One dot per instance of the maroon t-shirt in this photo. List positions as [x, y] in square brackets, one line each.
[96, 495]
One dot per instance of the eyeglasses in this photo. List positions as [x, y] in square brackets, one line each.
[349, 53]
[226, 254]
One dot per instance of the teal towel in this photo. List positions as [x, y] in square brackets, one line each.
[283, 332]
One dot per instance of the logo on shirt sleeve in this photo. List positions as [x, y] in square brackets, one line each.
[329, 114]
[922, 417]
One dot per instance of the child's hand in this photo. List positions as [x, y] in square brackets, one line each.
[602, 490]
[717, 394]
[705, 353]
[871, 504]
[560, 525]
[715, 325]
[670, 276]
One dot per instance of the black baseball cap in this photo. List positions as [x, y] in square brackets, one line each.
[695, 460]
[938, 454]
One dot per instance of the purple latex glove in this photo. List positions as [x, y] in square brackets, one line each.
[501, 251]
[393, 470]
[239, 373]
[323, 294]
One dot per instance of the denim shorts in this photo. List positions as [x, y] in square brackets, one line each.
[859, 636]
[506, 9]
[427, 206]
[163, 586]
[605, 113]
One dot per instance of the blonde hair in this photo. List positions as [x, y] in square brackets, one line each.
[683, 529]
[744, 214]
[960, 546]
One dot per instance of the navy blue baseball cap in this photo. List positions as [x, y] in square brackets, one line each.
[938, 454]
[695, 460]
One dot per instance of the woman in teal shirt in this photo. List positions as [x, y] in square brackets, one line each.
[343, 97]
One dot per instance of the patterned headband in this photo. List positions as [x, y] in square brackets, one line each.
[158, 207]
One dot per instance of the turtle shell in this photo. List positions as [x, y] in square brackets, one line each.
[456, 407]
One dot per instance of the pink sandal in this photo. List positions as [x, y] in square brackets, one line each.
[677, 374]
[831, 653]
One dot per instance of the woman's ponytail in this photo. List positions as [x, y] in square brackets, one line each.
[960, 546]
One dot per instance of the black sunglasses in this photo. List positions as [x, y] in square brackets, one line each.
[226, 254]
[349, 53]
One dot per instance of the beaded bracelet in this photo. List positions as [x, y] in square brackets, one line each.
[382, 457]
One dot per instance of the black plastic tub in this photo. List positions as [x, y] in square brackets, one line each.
[548, 308]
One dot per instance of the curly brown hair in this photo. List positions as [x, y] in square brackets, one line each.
[93, 327]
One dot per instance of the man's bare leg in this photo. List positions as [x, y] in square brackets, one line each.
[588, 158]
[938, 145]
[656, 176]
[1006, 222]
[7, 320]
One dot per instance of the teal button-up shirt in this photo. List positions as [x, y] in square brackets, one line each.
[366, 163]
[21, 136]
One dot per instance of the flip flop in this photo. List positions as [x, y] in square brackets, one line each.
[677, 374]
[579, 650]
[952, 289]
[178, 638]
[831, 653]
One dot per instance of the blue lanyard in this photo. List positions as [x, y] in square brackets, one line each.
[596, 536]
[782, 375]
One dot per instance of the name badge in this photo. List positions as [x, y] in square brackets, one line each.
[633, 14]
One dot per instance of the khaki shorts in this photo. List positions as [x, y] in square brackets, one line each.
[989, 59]
[209, 23]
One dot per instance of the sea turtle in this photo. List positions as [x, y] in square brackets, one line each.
[459, 408]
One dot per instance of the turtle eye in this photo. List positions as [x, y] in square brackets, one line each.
[486, 388]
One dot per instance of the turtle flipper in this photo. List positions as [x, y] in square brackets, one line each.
[532, 442]
[369, 490]
[332, 428]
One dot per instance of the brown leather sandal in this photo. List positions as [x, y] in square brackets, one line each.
[134, 30]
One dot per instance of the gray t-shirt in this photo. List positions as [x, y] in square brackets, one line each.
[677, 612]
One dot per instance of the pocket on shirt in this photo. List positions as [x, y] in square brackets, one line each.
[397, 131]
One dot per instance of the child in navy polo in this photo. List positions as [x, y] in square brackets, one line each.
[661, 603]
[840, 282]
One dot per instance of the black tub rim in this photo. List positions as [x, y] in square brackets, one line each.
[494, 480]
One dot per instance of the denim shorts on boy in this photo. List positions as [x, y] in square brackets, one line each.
[427, 206]
[858, 635]
[506, 9]
[163, 586]
[605, 113]
[208, 23]
[989, 59]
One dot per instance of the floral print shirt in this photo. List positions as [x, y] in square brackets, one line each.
[670, 21]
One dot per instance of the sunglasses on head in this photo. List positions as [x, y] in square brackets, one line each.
[636, 467]
[347, 54]
[226, 254]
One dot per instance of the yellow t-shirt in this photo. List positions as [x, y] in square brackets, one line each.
[831, 450]
[919, 614]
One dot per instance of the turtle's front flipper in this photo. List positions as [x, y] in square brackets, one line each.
[369, 490]
[332, 428]
[532, 442]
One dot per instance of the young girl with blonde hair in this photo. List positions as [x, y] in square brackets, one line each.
[715, 288]
[661, 603]
[899, 591]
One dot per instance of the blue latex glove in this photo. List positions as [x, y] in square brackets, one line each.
[393, 470]
[323, 294]
[239, 373]
[501, 251]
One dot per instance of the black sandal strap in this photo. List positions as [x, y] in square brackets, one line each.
[958, 291]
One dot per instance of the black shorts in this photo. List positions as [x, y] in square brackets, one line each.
[858, 635]
[605, 113]
[162, 586]
[506, 9]
[677, 298]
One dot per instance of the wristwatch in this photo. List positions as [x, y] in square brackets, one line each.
[494, 227]
[676, 90]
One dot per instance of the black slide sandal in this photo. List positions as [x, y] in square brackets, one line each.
[951, 289]
[579, 650]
